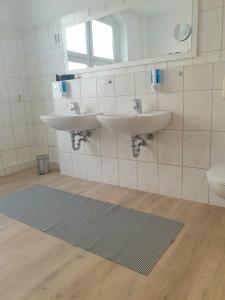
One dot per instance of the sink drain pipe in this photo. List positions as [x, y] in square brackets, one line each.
[82, 138]
[139, 141]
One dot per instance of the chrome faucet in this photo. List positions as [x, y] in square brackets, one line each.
[138, 106]
[76, 108]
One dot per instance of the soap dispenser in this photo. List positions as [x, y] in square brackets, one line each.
[155, 76]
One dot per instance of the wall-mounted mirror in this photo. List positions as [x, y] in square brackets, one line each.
[159, 30]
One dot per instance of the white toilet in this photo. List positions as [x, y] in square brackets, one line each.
[216, 179]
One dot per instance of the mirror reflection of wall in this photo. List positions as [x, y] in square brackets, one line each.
[142, 32]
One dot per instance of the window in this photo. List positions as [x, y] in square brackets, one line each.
[102, 32]
[90, 44]
[77, 44]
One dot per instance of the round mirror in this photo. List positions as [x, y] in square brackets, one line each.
[182, 32]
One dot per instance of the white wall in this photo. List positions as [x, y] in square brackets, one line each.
[9, 15]
[42, 11]
[171, 165]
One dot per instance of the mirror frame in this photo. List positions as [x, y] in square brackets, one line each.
[89, 14]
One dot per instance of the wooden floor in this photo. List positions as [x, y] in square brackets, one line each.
[34, 265]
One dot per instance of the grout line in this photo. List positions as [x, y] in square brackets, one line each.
[210, 150]
[182, 171]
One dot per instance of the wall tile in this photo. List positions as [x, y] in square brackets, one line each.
[147, 177]
[9, 158]
[219, 73]
[124, 146]
[41, 134]
[57, 57]
[5, 114]
[15, 88]
[42, 38]
[13, 63]
[54, 28]
[143, 83]
[223, 37]
[2, 67]
[53, 154]
[108, 143]
[149, 152]
[18, 113]
[196, 149]
[21, 136]
[207, 57]
[199, 77]
[218, 148]
[92, 146]
[75, 89]
[110, 170]
[23, 155]
[79, 166]
[90, 105]
[88, 88]
[124, 104]
[52, 137]
[66, 166]
[106, 86]
[197, 110]
[195, 185]
[172, 102]
[94, 168]
[209, 4]
[128, 173]
[172, 80]
[3, 90]
[45, 64]
[218, 115]
[149, 102]
[8, 39]
[107, 105]
[124, 84]
[210, 29]
[170, 147]
[64, 142]
[170, 180]
[7, 138]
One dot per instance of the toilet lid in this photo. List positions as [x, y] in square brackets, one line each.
[217, 174]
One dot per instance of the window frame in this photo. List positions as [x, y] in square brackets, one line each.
[89, 59]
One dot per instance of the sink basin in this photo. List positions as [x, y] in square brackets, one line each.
[134, 124]
[72, 123]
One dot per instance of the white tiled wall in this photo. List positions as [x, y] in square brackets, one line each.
[44, 58]
[176, 161]
[16, 122]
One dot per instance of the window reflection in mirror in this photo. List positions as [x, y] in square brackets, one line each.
[90, 44]
[141, 32]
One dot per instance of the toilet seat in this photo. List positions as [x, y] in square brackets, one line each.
[217, 174]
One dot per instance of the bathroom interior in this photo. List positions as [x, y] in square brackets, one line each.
[112, 149]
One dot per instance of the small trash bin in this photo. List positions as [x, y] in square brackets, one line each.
[43, 164]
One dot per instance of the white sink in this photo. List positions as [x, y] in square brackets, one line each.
[134, 124]
[72, 123]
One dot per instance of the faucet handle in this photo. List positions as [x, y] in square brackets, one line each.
[75, 104]
[137, 106]
[138, 101]
[76, 107]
